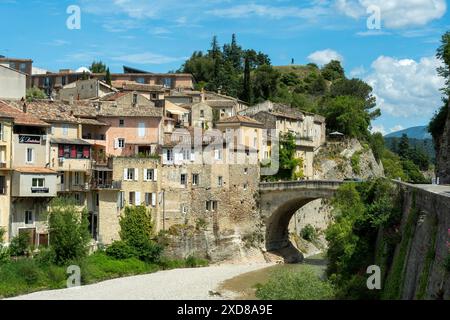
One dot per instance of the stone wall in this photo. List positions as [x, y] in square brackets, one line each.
[427, 244]
[443, 154]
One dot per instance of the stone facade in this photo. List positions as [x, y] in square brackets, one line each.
[443, 154]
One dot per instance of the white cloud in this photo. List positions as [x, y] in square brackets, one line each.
[322, 57]
[378, 128]
[397, 128]
[357, 72]
[147, 58]
[396, 13]
[405, 87]
[271, 12]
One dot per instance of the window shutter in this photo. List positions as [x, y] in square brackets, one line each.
[193, 155]
[61, 151]
[125, 174]
[138, 198]
[155, 175]
[145, 174]
[216, 154]
[116, 143]
[136, 174]
[153, 199]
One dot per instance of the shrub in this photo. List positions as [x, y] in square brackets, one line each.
[4, 252]
[137, 230]
[194, 262]
[121, 250]
[308, 233]
[68, 231]
[355, 162]
[19, 245]
[291, 285]
[447, 263]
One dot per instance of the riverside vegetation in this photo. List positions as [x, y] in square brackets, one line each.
[25, 270]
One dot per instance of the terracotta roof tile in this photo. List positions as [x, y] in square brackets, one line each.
[20, 117]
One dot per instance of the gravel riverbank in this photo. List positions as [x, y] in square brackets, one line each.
[177, 284]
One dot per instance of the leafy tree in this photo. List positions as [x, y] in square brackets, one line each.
[333, 70]
[356, 88]
[247, 94]
[443, 54]
[437, 124]
[19, 245]
[98, 67]
[265, 82]
[35, 93]
[376, 141]
[403, 147]
[69, 230]
[4, 252]
[289, 163]
[233, 53]
[348, 115]
[137, 231]
[108, 77]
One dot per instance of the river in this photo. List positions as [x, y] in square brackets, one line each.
[243, 287]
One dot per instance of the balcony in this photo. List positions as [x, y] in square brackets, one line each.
[106, 185]
[95, 139]
[73, 188]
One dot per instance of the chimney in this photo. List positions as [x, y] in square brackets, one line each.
[24, 108]
[203, 95]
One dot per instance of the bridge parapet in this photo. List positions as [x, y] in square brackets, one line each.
[305, 184]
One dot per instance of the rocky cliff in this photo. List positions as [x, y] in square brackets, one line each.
[443, 154]
[348, 159]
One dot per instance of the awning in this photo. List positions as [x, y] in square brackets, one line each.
[174, 109]
[35, 170]
[77, 142]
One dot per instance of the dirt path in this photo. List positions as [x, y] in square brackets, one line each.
[178, 284]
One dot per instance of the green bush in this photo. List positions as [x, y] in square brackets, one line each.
[194, 262]
[4, 252]
[308, 233]
[121, 250]
[68, 231]
[19, 245]
[447, 263]
[291, 285]
[355, 162]
[137, 230]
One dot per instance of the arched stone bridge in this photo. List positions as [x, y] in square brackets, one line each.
[279, 201]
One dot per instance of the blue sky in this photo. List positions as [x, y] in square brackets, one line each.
[397, 59]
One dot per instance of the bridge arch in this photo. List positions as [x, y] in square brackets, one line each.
[280, 201]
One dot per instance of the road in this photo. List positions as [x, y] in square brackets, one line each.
[177, 284]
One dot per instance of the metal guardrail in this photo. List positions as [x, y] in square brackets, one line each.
[301, 183]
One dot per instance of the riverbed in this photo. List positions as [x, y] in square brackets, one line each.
[243, 286]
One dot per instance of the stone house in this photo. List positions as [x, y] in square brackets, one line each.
[12, 83]
[85, 89]
[23, 66]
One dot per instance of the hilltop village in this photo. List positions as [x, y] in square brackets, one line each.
[193, 158]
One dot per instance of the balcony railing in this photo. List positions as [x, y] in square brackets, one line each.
[111, 185]
[40, 190]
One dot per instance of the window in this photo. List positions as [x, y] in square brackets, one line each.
[183, 179]
[30, 155]
[121, 200]
[154, 96]
[1, 132]
[38, 183]
[121, 143]
[29, 219]
[169, 155]
[218, 154]
[132, 198]
[211, 206]
[129, 174]
[74, 152]
[121, 123]
[150, 174]
[97, 199]
[167, 82]
[220, 181]
[2, 185]
[202, 113]
[77, 198]
[150, 199]
[135, 98]
[76, 178]
[246, 171]
[65, 129]
[141, 129]
[140, 80]
[186, 154]
[195, 179]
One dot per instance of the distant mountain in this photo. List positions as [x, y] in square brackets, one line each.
[420, 133]
[419, 137]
